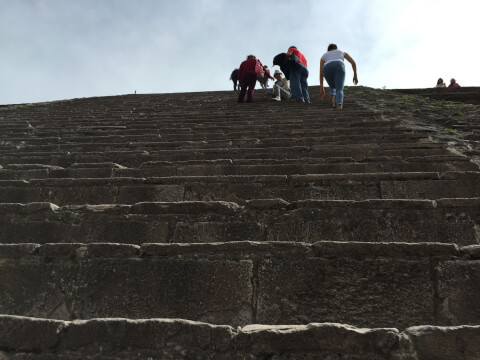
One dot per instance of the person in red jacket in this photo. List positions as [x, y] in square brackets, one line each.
[266, 75]
[248, 78]
[453, 84]
[298, 75]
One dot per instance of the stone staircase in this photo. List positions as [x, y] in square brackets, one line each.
[186, 226]
[464, 94]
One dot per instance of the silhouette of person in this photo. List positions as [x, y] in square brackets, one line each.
[266, 75]
[453, 84]
[248, 78]
[440, 83]
[234, 78]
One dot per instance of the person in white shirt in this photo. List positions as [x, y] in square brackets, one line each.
[333, 69]
[281, 89]
[440, 83]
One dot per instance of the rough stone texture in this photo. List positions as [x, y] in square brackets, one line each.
[445, 343]
[363, 284]
[444, 220]
[465, 94]
[458, 282]
[73, 281]
[190, 205]
[322, 290]
[180, 339]
[28, 334]
[317, 341]
[448, 116]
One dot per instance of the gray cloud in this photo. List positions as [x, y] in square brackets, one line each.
[57, 49]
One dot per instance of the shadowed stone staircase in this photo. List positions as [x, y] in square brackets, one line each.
[186, 226]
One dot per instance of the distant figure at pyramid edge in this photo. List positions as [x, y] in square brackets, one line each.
[248, 72]
[440, 83]
[453, 84]
[333, 69]
[234, 78]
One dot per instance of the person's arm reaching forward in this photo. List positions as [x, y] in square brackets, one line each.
[322, 90]
[354, 67]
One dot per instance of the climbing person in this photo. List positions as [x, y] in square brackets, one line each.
[234, 78]
[453, 84]
[266, 75]
[247, 75]
[440, 83]
[298, 75]
[333, 69]
[281, 89]
[281, 60]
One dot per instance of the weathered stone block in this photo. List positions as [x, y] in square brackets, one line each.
[211, 231]
[445, 343]
[316, 341]
[156, 337]
[134, 194]
[28, 335]
[370, 292]
[70, 281]
[458, 289]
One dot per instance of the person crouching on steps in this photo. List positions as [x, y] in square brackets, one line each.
[333, 69]
[281, 90]
[248, 78]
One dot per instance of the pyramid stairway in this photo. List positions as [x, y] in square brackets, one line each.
[186, 226]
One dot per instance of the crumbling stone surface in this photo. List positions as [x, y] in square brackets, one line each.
[181, 339]
[442, 220]
[239, 283]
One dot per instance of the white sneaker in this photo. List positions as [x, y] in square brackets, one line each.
[277, 98]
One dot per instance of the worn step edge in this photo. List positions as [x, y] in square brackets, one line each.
[399, 176]
[183, 339]
[242, 161]
[241, 249]
[224, 207]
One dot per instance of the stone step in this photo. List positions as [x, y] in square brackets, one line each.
[188, 134]
[134, 157]
[185, 128]
[314, 116]
[352, 140]
[440, 164]
[104, 110]
[35, 339]
[192, 133]
[234, 143]
[410, 221]
[362, 284]
[316, 119]
[427, 185]
[239, 115]
[346, 245]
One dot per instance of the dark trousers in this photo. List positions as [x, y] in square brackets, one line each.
[299, 83]
[248, 81]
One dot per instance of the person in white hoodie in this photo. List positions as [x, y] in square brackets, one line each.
[333, 69]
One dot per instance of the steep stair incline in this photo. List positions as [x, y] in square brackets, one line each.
[180, 226]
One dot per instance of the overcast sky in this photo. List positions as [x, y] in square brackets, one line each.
[62, 49]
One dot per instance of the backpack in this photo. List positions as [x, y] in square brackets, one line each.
[259, 69]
